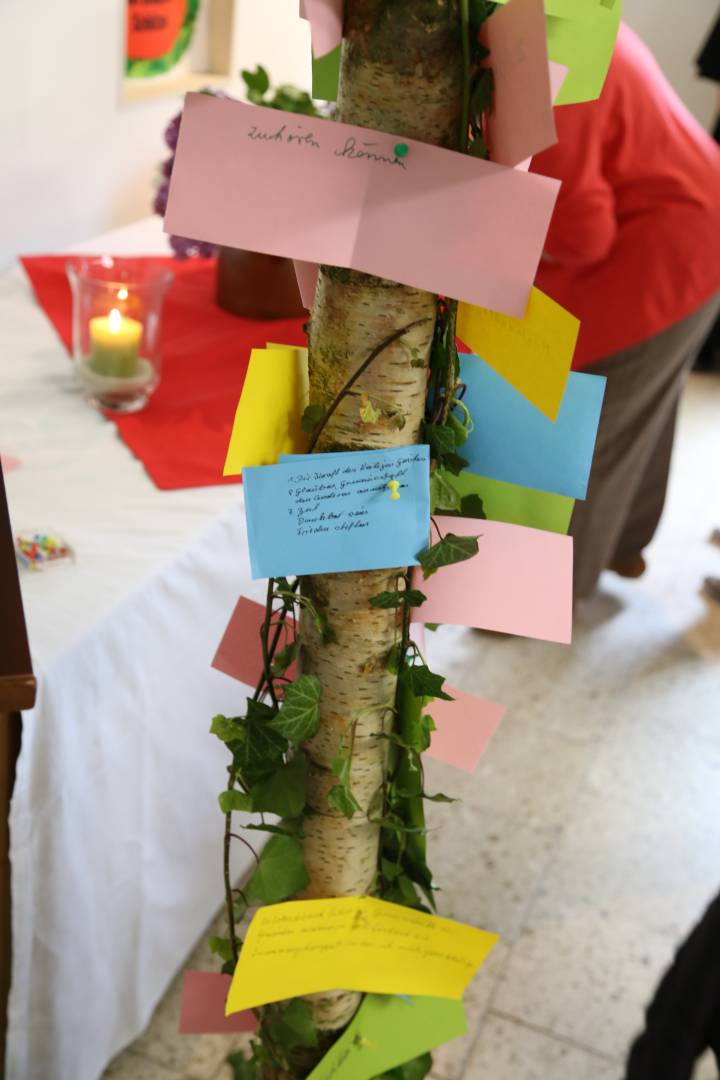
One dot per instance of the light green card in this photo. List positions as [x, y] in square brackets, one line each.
[586, 46]
[516, 505]
[326, 75]
[581, 35]
[387, 1031]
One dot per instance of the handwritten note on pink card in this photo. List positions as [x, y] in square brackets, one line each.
[327, 192]
[464, 728]
[520, 582]
[521, 123]
[239, 653]
[326, 23]
[202, 1007]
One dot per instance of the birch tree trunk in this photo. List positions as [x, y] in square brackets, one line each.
[401, 73]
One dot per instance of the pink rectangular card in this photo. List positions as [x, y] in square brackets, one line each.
[326, 23]
[306, 274]
[464, 728]
[327, 192]
[521, 123]
[520, 582]
[202, 1007]
[239, 653]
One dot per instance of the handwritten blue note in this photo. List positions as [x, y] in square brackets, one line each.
[514, 442]
[327, 513]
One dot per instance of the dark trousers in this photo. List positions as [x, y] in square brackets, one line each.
[631, 464]
[683, 1019]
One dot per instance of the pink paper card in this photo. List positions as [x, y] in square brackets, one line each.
[307, 277]
[202, 1007]
[8, 462]
[239, 653]
[520, 582]
[326, 192]
[464, 728]
[521, 123]
[326, 23]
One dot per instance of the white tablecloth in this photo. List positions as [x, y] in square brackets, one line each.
[116, 836]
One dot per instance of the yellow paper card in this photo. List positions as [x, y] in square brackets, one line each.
[534, 353]
[269, 412]
[353, 943]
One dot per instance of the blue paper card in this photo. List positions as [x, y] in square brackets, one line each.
[514, 442]
[328, 513]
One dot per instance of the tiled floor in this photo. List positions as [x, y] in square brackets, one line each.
[589, 836]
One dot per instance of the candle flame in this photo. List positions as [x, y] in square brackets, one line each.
[115, 320]
[122, 294]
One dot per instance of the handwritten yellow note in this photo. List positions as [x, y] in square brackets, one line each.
[268, 415]
[354, 943]
[534, 353]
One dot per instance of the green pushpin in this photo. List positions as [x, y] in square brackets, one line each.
[401, 149]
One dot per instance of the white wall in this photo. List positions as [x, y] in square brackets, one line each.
[675, 31]
[75, 160]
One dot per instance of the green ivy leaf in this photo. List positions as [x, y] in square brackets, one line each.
[262, 749]
[312, 417]
[257, 80]
[299, 716]
[283, 792]
[454, 463]
[390, 870]
[288, 827]
[472, 506]
[441, 440]
[227, 729]
[285, 657]
[234, 800]
[280, 873]
[293, 1026]
[422, 682]
[451, 549]
[481, 98]
[461, 430]
[368, 413]
[411, 597]
[220, 946]
[443, 495]
[341, 798]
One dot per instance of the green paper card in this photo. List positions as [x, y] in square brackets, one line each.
[516, 505]
[586, 46]
[387, 1031]
[326, 75]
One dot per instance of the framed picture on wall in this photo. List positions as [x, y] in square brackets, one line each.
[176, 45]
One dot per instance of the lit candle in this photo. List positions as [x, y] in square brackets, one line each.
[114, 345]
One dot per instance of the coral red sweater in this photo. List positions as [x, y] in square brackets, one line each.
[635, 237]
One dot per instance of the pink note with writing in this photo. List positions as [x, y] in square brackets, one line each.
[239, 653]
[464, 727]
[202, 1007]
[326, 23]
[326, 192]
[521, 123]
[520, 582]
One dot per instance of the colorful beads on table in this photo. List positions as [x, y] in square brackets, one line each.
[35, 550]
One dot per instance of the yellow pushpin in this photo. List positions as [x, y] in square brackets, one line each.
[394, 485]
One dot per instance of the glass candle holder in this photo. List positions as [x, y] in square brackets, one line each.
[117, 310]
